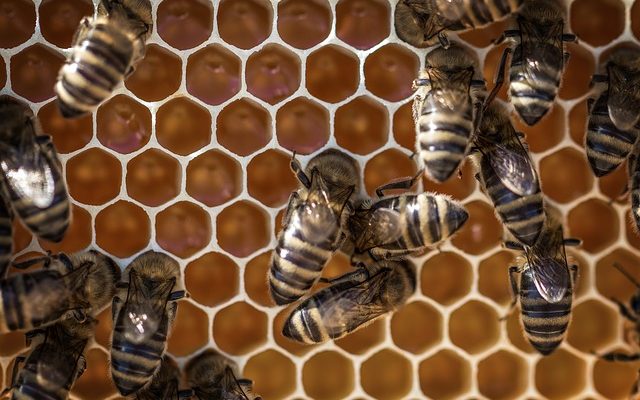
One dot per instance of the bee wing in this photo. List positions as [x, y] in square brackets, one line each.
[624, 97]
[144, 310]
[57, 365]
[452, 10]
[316, 220]
[451, 89]
[550, 271]
[511, 163]
[376, 227]
[542, 49]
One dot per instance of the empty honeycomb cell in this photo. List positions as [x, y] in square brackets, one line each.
[184, 24]
[493, 275]
[304, 23]
[485, 36]
[243, 127]
[614, 380]
[416, 317]
[213, 74]
[273, 374]
[190, 330]
[614, 185]
[444, 375]
[560, 375]
[364, 339]
[34, 72]
[90, 170]
[332, 73]
[68, 135]
[17, 22]
[21, 236]
[122, 229]
[244, 23]
[157, 75]
[77, 237]
[183, 229]
[273, 73]
[389, 72]
[153, 177]
[578, 71]
[291, 346]
[502, 375]
[474, 327]
[597, 22]
[593, 326]
[11, 343]
[596, 223]
[123, 124]
[547, 133]
[214, 178]
[182, 126]
[565, 175]
[255, 284]
[362, 125]
[404, 129]
[481, 232]
[104, 328]
[260, 173]
[446, 277]
[212, 270]
[490, 69]
[59, 19]
[578, 117]
[515, 332]
[610, 282]
[328, 375]
[386, 166]
[302, 125]
[362, 23]
[459, 186]
[96, 381]
[242, 228]
[386, 375]
[239, 328]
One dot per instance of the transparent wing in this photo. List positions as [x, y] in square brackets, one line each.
[316, 220]
[58, 361]
[624, 97]
[542, 51]
[145, 307]
[376, 227]
[549, 269]
[451, 9]
[450, 89]
[511, 163]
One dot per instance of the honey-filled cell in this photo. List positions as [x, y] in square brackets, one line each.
[474, 327]
[304, 23]
[157, 75]
[34, 72]
[565, 175]
[123, 124]
[362, 23]
[239, 328]
[416, 317]
[386, 375]
[261, 184]
[177, 117]
[302, 125]
[615, 380]
[385, 167]
[244, 23]
[68, 135]
[493, 279]
[255, 283]
[459, 185]
[404, 129]
[190, 330]
[481, 232]
[293, 347]
[183, 229]
[446, 277]
[242, 228]
[17, 22]
[502, 375]
[122, 229]
[444, 375]
[212, 270]
[213, 74]
[153, 177]
[273, 73]
[577, 74]
[332, 73]
[77, 237]
[612, 283]
[578, 120]
[214, 178]
[243, 127]
[328, 375]
[597, 22]
[95, 382]
[11, 343]
[361, 126]
[560, 375]
[596, 223]
[364, 339]
[59, 19]
[547, 133]
[273, 374]
[389, 72]
[593, 326]
[94, 168]
[184, 24]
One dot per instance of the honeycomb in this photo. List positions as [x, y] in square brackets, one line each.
[190, 157]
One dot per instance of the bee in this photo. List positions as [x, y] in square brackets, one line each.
[613, 120]
[143, 312]
[314, 223]
[352, 301]
[214, 376]
[104, 53]
[6, 235]
[164, 385]
[633, 169]
[33, 181]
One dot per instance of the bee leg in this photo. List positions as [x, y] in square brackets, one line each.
[444, 40]
[177, 295]
[569, 37]
[499, 80]
[624, 310]
[299, 172]
[294, 200]
[65, 260]
[82, 366]
[509, 33]
[402, 183]
[185, 394]
[513, 271]
[572, 242]
[511, 245]
[14, 372]
[618, 356]
[34, 261]
[171, 312]
[420, 82]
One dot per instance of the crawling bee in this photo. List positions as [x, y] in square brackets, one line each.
[143, 310]
[214, 376]
[32, 173]
[508, 176]
[164, 385]
[104, 53]
[352, 301]
[314, 223]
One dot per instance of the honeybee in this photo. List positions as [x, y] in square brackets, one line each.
[213, 376]
[104, 53]
[6, 235]
[33, 181]
[633, 169]
[165, 383]
[613, 112]
[314, 223]
[507, 175]
[143, 309]
[352, 301]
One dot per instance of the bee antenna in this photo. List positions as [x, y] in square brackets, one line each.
[627, 274]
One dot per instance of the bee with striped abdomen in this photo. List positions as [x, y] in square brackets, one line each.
[165, 383]
[143, 311]
[105, 51]
[352, 301]
[314, 224]
[213, 376]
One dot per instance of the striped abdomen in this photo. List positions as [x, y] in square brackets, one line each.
[478, 13]
[6, 237]
[35, 385]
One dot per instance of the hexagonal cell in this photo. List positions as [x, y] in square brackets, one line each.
[293, 347]
[104, 328]
[244, 23]
[578, 71]
[178, 116]
[183, 229]
[444, 375]
[446, 277]
[612, 283]
[94, 168]
[613, 380]
[404, 129]
[11, 343]
[17, 22]
[416, 317]
[212, 270]
[332, 73]
[123, 124]
[96, 381]
[157, 75]
[362, 23]
[481, 232]
[560, 375]
[190, 330]
[153, 177]
[493, 279]
[614, 184]
[485, 36]
[515, 332]
[593, 326]
[21, 236]
[364, 339]
[565, 175]
[302, 125]
[596, 223]
[68, 135]
[184, 24]
[262, 170]
[213, 74]
[597, 22]
[389, 72]
[273, 374]
[458, 186]
[386, 166]
[502, 375]
[242, 228]
[122, 219]
[490, 69]
[243, 127]
[546, 134]
[362, 125]
[474, 327]
[34, 72]
[77, 237]
[304, 23]
[273, 73]
[328, 375]
[255, 284]
[59, 19]
[386, 375]
[578, 117]
[239, 328]
[214, 178]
